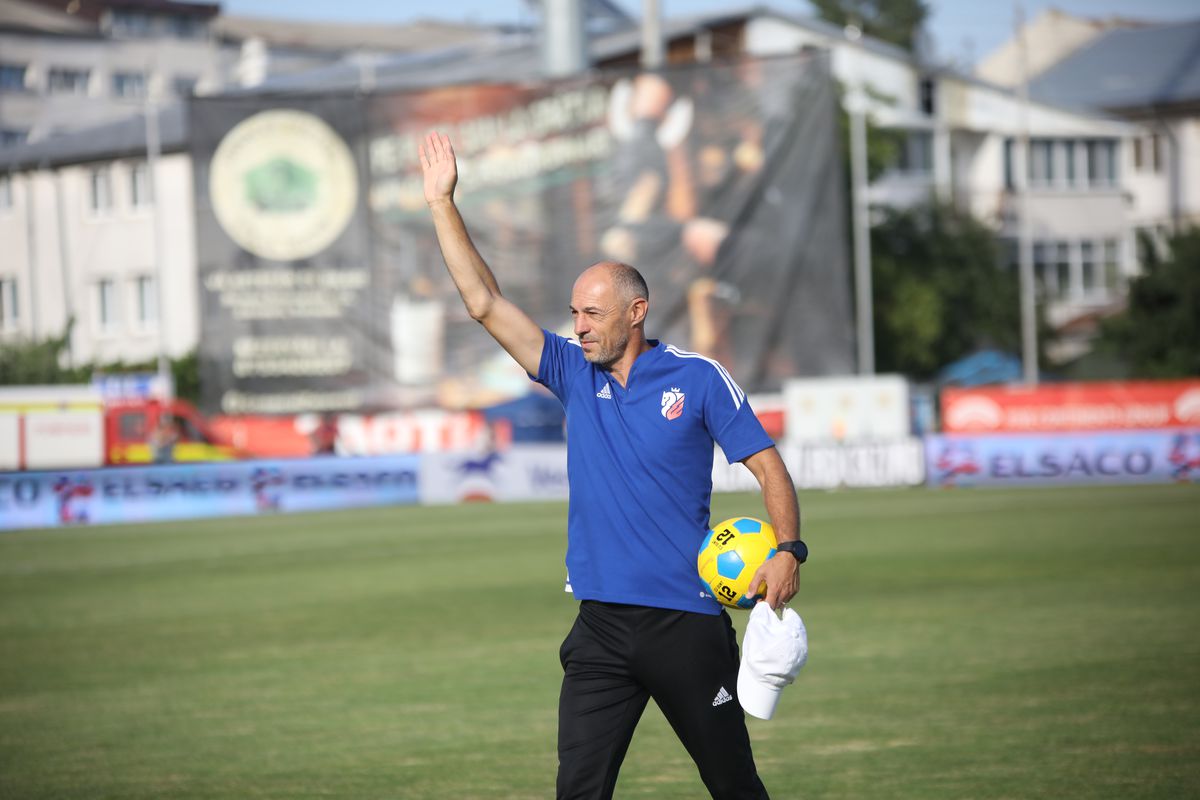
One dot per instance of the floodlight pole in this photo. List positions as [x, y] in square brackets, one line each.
[652, 40]
[564, 40]
[861, 212]
[1029, 354]
[153, 151]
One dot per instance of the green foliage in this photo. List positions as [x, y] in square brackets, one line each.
[895, 21]
[938, 290]
[39, 363]
[1159, 335]
[883, 147]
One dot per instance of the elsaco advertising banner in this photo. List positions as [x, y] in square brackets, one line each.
[283, 254]
[723, 184]
[1050, 458]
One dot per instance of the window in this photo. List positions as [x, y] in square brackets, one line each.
[928, 93]
[101, 191]
[184, 86]
[1155, 152]
[1069, 148]
[129, 85]
[1043, 269]
[132, 426]
[6, 192]
[1062, 269]
[1041, 162]
[186, 26]
[1102, 162]
[11, 137]
[1091, 270]
[12, 78]
[916, 154]
[134, 24]
[1009, 171]
[1112, 265]
[9, 310]
[1137, 153]
[64, 80]
[145, 300]
[141, 194]
[106, 304]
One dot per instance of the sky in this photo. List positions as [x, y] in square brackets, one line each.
[963, 30]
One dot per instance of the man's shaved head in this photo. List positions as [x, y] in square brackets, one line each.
[628, 282]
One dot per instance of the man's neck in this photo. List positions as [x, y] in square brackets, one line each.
[621, 367]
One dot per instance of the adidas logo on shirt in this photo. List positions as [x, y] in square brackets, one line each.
[605, 393]
[722, 697]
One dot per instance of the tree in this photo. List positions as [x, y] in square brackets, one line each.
[1158, 336]
[28, 363]
[33, 363]
[895, 21]
[939, 292]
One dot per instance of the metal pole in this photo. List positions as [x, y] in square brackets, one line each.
[1029, 355]
[861, 211]
[564, 42]
[153, 151]
[652, 40]
[31, 251]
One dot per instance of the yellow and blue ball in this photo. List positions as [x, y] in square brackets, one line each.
[730, 554]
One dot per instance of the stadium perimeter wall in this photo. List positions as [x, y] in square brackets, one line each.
[539, 472]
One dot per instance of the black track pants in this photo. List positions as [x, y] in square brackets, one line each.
[615, 659]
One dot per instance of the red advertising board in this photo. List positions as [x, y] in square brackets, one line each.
[1124, 405]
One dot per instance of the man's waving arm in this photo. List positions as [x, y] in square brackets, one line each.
[508, 325]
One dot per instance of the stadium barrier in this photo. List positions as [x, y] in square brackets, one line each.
[172, 492]
[896, 462]
[539, 472]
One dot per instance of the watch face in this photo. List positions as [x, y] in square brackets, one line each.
[797, 548]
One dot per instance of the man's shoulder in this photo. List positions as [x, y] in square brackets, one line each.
[706, 369]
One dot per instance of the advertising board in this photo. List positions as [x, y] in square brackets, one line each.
[1108, 457]
[1112, 405]
[144, 494]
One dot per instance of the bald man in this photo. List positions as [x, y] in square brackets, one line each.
[642, 418]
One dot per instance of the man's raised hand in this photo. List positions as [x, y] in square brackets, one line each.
[439, 168]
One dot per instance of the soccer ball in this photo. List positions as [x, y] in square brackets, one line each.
[730, 555]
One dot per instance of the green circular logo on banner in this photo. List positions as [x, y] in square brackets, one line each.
[283, 184]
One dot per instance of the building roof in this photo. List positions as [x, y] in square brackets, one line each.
[34, 18]
[94, 10]
[121, 138]
[336, 37]
[1127, 70]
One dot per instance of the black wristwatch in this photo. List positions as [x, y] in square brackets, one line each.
[797, 548]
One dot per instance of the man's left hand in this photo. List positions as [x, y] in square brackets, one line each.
[782, 574]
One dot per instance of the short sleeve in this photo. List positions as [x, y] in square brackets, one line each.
[730, 420]
[561, 362]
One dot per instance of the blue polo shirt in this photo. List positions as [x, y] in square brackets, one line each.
[639, 459]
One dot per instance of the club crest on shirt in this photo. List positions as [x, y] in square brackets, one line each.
[672, 403]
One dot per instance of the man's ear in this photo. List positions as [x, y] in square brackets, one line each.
[637, 310]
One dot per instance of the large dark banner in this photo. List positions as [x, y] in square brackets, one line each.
[283, 255]
[721, 183]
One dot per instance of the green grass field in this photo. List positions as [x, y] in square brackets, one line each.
[963, 644]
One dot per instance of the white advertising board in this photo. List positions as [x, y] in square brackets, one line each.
[522, 472]
[900, 462]
[871, 408]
